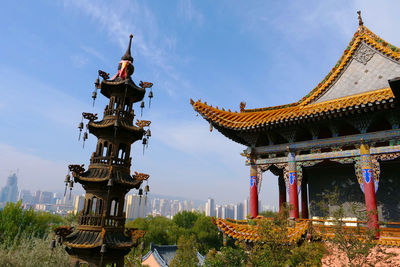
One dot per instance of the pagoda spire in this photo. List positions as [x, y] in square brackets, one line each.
[127, 55]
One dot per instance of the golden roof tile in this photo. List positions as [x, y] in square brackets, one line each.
[259, 118]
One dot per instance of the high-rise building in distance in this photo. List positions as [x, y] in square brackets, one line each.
[9, 193]
[210, 207]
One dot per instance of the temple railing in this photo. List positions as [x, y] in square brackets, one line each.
[114, 221]
[91, 220]
[96, 220]
[108, 160]
[128, 115]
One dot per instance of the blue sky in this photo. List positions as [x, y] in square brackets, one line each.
[224, 52]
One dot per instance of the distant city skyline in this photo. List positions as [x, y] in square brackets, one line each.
[136, 206]
[264, 53]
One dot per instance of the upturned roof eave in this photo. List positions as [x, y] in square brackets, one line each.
[250, 119]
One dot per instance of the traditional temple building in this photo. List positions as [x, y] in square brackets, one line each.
[100, 237]
[344, 133]
[162, 255]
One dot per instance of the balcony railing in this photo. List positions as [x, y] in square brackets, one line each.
[91, 220]
[128, 115]
[95, 220]
[114, 221]
[107, 160]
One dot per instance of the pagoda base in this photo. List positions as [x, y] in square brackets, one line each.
[94, 258]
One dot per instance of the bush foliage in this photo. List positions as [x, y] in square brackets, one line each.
[163, 231]
[17, 224]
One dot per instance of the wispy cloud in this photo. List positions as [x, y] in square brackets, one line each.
[189, 12]
[79, 61]
[93, 52]
[41, 101]
[34, 172]
[194, 138]
[119, 19]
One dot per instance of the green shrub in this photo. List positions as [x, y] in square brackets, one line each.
[17, 223]
[33, 252]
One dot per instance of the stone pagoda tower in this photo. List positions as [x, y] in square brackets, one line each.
[100, 236]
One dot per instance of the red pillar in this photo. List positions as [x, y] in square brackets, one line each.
[282, 192]
[253, 191]
[369, 188]
[304, 199]
[293, 198]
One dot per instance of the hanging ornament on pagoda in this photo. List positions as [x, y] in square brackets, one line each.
[141, 108]
[94, 95]
[140, 195]
[80, 127]
[85, 137]
[146, 85]
[148, 133]
[150, 97]
[71, 185]
[146, 190]
[144, 143]
[66, 181]
[96, 86]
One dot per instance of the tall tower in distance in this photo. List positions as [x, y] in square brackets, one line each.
[100, 237]
[9, 193]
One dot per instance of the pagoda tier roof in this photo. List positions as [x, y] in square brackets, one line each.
[358, 80]
[93, 239]
[103, 174]
[135, 133]
[126, 87]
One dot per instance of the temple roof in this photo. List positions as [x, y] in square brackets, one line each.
[358, 80]
[164, 254]
[249, 230]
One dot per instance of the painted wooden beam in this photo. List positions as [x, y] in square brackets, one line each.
[328, 142]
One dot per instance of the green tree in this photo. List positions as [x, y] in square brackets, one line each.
[207, 234]
[186, 255]
[228, 256]
[159, 230]
[17, 223]
[357, 243]
[185, 219]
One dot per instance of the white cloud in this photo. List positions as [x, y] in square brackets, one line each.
[93, 52]
[39, 100]
[34, 173]
[79, 60]
[189, 12]
[194, 138]
[121, 18]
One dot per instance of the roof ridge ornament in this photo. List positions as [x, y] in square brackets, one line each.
[360, 21]
[242, 106]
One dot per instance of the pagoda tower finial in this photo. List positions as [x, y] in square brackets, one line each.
[360, 21]
[127, 55]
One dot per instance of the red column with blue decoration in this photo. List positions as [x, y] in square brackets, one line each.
[253, 191]
[293, 197]
[369, 188]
